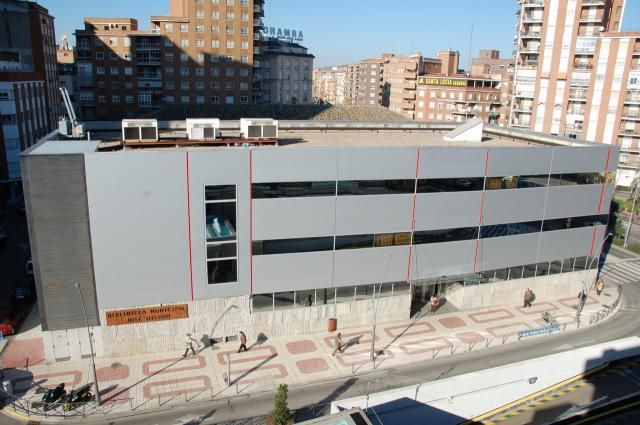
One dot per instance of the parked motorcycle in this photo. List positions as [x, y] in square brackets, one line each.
[83, 396]
[51, 396]
[67, 401]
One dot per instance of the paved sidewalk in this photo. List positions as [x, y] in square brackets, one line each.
[164, 379]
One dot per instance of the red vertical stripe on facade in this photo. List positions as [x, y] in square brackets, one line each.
[251, 222]
[189, 228]
[604, 185]
[480, 221]
[413, 215]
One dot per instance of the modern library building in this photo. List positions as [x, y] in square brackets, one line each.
[276, 235]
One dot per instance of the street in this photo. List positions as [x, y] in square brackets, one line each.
[13, 251]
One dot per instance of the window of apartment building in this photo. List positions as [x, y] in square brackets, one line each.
[450, 106]
[452, 95]
[102, 99]
[127, 41]
[184, 72]
[440, 106]
[199, 1]
[229, 100]
[230, 15]
[215, 44]
[244, 16]
[169, 85]
[215, 85]
[433, 93]
[215, 29]
[215, 72]
[421, 104]
[128, 70]
[244, 3]
[244, 44]
[185, 99]
[229, 29]
[184, 57]
[184, 27]
[244, 99]
[169, 99]
[421, 93]
[420, 115]
[244, 30]
[244, 59]
[100, 70]
[229, 2]
[229, 86]
[200, 72]
[128, 85]
[113, 41]
[200, 58]
[9, 119]
[372, 95]
[215, 1]
[168, 57]
[230, 44]
[99, 42]
[229, 72]
[99, 56]
[199, 85]
[184, 85]
[115, 99]
[215, 99]
[130, 99]
[374, 73]
[199, 43]
[4, 95]
[168, 27]
[168, 42]
[113, 56]
[215, 15]
[373, 80]
[227, 58]
[168, 70]
[199, 28]
[115, 70]
[215, 58]
[199, 15]
[184, 43]
[127, 56]
[244, 72]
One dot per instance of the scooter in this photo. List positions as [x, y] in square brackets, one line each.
[67, 401]
[83, 396]
[51, 396]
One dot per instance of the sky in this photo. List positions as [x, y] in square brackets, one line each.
[346, 31]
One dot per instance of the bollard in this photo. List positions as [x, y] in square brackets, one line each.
[228, 370]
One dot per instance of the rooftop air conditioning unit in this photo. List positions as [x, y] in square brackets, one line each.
[203, 128]
[258, 128]
[140, 130]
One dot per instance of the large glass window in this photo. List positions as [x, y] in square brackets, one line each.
[291, 246]
[375, 187]
[498, 230]
[575, 222]
[450, 185]
[446, 235]
[354, 241]
[293, 189]
[220, 234]
[576, 178]
[515, 182]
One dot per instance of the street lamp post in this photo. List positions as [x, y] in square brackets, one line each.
[633, 207]
[93, 363]
[374, 310]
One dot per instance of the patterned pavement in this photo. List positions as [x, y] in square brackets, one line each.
[159, 379]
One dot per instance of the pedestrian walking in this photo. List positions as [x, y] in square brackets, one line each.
[188, 342]
[309, 301]
[243, 342]
[339, 344]
[600, 286]
[434, 304]
[582, 297]
[528, 297]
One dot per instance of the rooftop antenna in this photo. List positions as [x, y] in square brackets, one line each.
[470, 43]
[65, 44]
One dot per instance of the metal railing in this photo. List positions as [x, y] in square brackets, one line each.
[607, 310]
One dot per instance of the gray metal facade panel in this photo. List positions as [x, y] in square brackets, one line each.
[377, 163]
[288, 272]
[220, 167]
[447, 210]
[56, 206]
[294, 165]
[138, 210]
[440, 162]
[367, 214]
[293, 217]
[513, 205]
[365, 266]
[568, 243]
[495, 253]
[614, 158]
[573, 201]
[582, 160]
[442, 259]
[519, 161]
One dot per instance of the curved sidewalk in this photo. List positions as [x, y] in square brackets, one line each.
[137, 383]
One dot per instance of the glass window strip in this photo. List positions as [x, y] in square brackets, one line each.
[376, 187]
[293, 189]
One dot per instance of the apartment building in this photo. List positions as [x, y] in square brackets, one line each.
[372, 89]
[490, 64]
[400, 75]
[329, 85]
[351, 83]
[457, 98]
[29, 95]
[577, 74]
[202, 52]
[286, 73]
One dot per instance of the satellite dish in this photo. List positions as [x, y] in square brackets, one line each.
[64, 37]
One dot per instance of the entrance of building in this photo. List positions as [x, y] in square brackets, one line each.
[424, 289]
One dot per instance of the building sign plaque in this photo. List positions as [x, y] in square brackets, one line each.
[147, 314]
[283, 34]
[439, 81]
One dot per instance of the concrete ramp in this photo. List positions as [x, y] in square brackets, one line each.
[470, 131]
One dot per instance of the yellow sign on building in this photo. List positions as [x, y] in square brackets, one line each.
[440, 81]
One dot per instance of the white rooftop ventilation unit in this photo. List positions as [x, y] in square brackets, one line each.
[203, 128]
[258, 128]
[470, 131]
[140, 130]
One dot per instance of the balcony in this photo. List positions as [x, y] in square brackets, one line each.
[582, 66]
[528, 64]
[257, 23]
[524, 94]
[150, 104]
[573, 128]
[578, 95]
[533, 3]
[530, 50]
[530, 19]
[258, 10]
[149, 76]
[591, 20]
[522, 108]
[530, 34]
[409, 95]
[520, 124]
[494, 115]
[627, 132]
[575, 111]
[593, 3]
[407, 105]
[256, 50]
[87, 102]
[632, 97]
[148, 46]
[630, 117]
